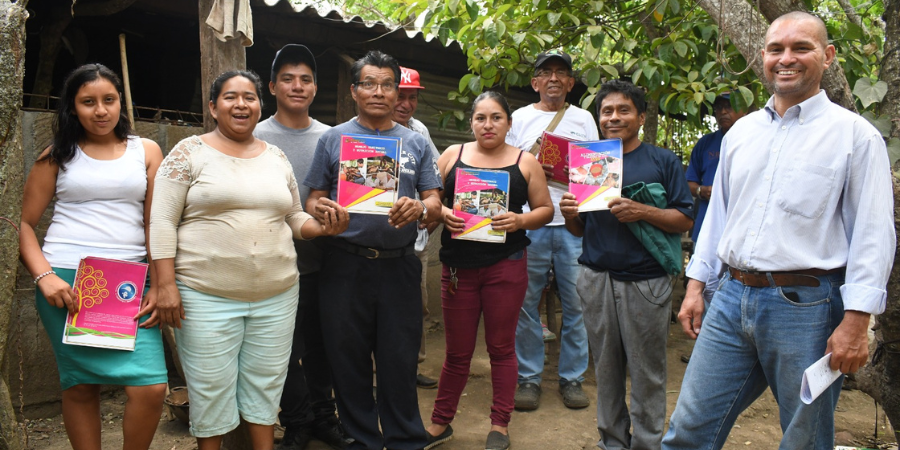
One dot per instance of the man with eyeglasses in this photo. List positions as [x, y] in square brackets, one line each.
[551, 245]
[307, 405]
[370, 296]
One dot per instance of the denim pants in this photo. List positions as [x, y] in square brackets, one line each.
[552, 244]
[753, 338]
[235, 357]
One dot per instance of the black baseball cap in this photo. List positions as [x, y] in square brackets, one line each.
[294, 53]
[546, 56]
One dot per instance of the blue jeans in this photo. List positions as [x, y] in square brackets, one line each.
[753, 338]
[554, 244]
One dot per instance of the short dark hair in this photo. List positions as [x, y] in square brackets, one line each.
[625, 88]
[294, 55]
[216, 88]
[67, 129]
[493, 95]
[378, 59]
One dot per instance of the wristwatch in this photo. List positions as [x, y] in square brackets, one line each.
[698, 190]
[424, 212]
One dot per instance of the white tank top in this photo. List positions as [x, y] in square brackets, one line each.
[99, 209]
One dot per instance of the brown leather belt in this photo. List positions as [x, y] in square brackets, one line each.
[793, 278]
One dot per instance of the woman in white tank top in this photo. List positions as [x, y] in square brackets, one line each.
[102, 176]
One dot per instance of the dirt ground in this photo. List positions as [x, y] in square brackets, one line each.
[552, 426]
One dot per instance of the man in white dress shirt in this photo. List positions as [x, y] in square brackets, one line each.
[801, 226]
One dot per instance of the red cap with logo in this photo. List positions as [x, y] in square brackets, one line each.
[409, 79]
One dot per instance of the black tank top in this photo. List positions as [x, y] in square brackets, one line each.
[474, 254]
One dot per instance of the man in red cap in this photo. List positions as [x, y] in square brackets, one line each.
[407, 102]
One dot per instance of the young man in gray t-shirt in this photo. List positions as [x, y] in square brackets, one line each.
[307, 404]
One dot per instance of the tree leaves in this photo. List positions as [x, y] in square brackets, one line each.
[869, 91]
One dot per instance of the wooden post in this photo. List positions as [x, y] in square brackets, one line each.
[126, 81]
[215, 57]
[346, 106]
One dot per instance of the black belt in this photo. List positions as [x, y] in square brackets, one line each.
[793, 278]
[373, 253]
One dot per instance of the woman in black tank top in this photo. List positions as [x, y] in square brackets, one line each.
[483, 278]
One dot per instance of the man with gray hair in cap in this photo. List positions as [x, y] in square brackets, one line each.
[551, 245]
[307, 404]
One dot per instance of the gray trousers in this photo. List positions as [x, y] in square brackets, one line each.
[627, 324]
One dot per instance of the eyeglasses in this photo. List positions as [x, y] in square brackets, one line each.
[369, 85]
[547, 73]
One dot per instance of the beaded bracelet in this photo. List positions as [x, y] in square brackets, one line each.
[38, 278]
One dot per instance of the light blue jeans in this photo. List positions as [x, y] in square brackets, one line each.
[753, 338]
[554, 244]
[235, 357]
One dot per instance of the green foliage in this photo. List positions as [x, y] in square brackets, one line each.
[671, 48]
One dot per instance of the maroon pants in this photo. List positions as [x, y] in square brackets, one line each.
[497, 293]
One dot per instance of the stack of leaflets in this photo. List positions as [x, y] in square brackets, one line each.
[109, 295]
[369, 173]
[554, 151]
[595, 173]
[480, 194]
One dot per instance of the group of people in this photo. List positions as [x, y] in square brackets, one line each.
[250, 258]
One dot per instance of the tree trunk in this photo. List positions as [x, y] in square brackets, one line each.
[12, 71]
[887, 372]
[651, 120]
[889, 366]
[746, 28]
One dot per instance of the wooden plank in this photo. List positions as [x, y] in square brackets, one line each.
[215, 57]
[346, 106]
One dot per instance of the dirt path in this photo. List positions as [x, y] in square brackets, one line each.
[552, 426]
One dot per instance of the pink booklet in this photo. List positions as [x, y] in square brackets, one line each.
[595, 173]
[554, 151]
[109, 296]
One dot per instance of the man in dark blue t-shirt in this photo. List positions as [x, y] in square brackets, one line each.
[705, 158]
[625, 291]
[370, 299]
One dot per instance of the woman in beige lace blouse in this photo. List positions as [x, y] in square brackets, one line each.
[225, 209]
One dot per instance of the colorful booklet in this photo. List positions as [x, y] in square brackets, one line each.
[554, 151]
[480, 195]
[595, 173]
[109, 295]
[369, 173]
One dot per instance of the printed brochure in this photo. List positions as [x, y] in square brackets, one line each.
[369, 173]
[595, 173]
[109, 295]
[554, 151]
[480, 195]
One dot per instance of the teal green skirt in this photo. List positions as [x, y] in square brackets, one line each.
[77, 364]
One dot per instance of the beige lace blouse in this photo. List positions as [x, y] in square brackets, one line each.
[227, 221]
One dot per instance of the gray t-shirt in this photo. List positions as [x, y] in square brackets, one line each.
[417, 173]
[299, 147]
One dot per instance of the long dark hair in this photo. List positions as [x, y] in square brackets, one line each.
[67, 129]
